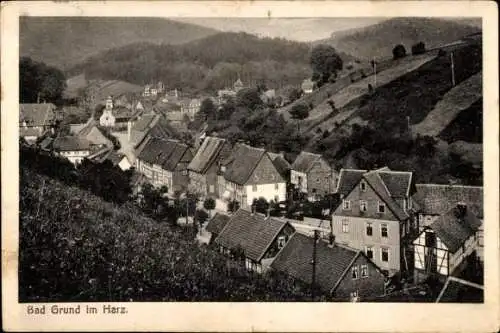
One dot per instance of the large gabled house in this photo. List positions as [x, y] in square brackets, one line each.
[340, 272]
[447, 246]
[35, 120]
[74, 148]
[248, 173]
[435, 200]
[204, 166]
[254, 238]
[164, 163]
[375, 215]
[311, 174]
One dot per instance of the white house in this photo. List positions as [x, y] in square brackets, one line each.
[74, 148]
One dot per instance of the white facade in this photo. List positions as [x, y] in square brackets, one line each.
[107, 119]
[299, 179]
[75, 156]
[275, 192]
[125, 164]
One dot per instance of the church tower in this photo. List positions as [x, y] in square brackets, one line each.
[107, 119]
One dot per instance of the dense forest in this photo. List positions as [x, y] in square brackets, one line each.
[39, 82]
[211, 63]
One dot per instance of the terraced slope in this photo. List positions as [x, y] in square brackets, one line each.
[460, 97]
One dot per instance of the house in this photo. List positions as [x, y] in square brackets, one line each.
[107, 118]
[254, 237]
[164, 162]
[215, 226]
[435, 200]
[190, 107]
[281, 164]
[74, 148]
[457, 290]
[311, 174]
[248, 173]
[204, 166]
[150, 124]
[341, 273]
[307, 86]
[35, 120]
[375, 215]
[447, 246]
[94, 135]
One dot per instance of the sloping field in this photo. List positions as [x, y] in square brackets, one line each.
[360, 88]
[446, 110]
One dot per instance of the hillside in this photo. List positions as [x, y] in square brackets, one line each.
[63, 42]
[378, 40]
[211, 63]
[74, 246]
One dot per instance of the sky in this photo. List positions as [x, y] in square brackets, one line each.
[299, 29]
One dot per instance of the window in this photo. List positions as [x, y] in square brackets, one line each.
[369, 252]
[254, 188]
[383, 230]
[369, 228]
[276, 186]
[364, 271]
[362, 205]
[345, 226]
[354, 272]
[381, 207]
[184, 172]
[223, 168]
[384, 254]
[346, 204]
[211, 188]
[317, 180]
[281, 242]
[362, 186]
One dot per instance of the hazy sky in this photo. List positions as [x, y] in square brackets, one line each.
[300, 29]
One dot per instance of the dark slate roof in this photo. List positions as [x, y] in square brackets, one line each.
[375, 181]
[280, 163]
[166, 153]
[206, 154]
[70, 143]
[455, 227]
[152, 125]
[242, 162]
[217, 223]
[144, 123]
[457, 290]
[331, 262]
[36, 114]
[305, 161]
[435, 199]
[253, 233]
[348, 178]
[398, 182]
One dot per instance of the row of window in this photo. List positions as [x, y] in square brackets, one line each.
[384, 228]
[363, 206]
[384, 253]
[355, 272]
[276, 187]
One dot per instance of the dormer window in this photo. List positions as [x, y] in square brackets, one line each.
[362, 186]
[381, 207]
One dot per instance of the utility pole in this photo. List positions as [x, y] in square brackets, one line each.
[452, 70]
[313, 283]
[375, 73]
[187, 207]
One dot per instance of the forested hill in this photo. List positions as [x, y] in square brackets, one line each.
[379, 39]
[62, 42]
[213, 62]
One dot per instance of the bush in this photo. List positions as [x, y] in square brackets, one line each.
[418, 48]
[398, 52]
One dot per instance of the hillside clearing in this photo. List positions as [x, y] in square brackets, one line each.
[446, 110]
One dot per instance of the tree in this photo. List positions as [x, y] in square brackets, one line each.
[249, 98]
[261, 205]
[299, 111]
[398, 52]
[325, 63]
[39, 82]
[209, 204]
[201, 217]
[418, 48]
[208, 109]
[233, 206]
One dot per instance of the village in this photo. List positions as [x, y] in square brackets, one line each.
[356, 235]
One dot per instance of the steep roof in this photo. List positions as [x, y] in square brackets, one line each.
[437, 199]
[348, 178]
[94, 135]
[455, 227]
[305, 161]
[217, 223]
[280, 163]
[166, 153]
[206, 154]
[152, 125]
[459, 290]
[389, 185]
[36, 114]
[242, 162]
[253, 233]
[70, 143]
[331, 262]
